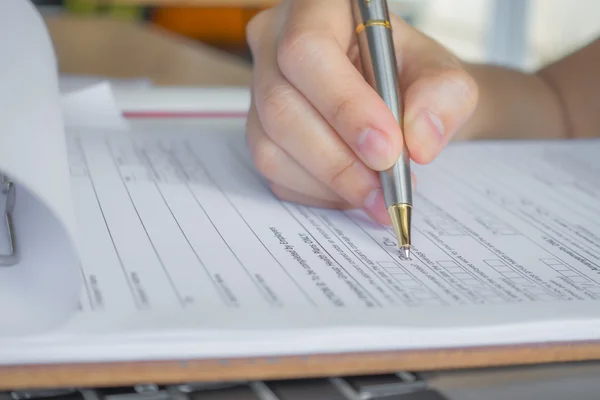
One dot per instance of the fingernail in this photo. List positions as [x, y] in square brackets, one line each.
[428, 126]
[375, 205]
[375, 149]
[427, 132]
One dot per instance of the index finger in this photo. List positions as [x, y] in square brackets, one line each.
[313, 56]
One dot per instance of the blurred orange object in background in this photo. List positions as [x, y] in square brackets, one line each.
[222, 27]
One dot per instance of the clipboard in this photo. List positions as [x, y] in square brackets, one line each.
[179, 371]
[292, 367]
[9, 192]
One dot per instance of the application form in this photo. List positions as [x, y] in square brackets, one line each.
[186, 253]
[184, 222]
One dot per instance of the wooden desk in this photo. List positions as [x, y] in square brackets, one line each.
[122, 49]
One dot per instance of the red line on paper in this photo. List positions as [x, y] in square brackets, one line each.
[185, 114]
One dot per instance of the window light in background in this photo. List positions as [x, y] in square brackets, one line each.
[519, 33]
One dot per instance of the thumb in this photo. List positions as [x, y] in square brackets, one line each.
[438, 93]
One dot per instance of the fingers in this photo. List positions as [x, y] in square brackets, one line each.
[317, 131]
[312, 53]
[299, 131]
[281, 170]
[439, 95]
[439, 105]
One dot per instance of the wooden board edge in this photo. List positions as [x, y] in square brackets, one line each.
[289, 367]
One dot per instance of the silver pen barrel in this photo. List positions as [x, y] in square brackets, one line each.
[380, 70]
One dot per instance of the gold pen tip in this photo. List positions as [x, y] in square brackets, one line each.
[401, 215]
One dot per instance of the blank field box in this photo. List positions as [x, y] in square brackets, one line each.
[495, 263]
[448, 264]
[454, 232]
[503, 269]
[550, 261]
[454, 270]
[388, 265]
[472, 282]
[570, 274]
[578, 279]
[521, 280]
[555, 264]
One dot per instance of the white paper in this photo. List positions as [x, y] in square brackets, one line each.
[42, 291]
[69, 83]
[165, 99]
[94, 107]
[185, 253]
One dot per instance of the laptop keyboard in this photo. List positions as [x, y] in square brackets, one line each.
[400, 386]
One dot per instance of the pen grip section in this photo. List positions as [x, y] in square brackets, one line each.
[378, 57]
[380, 70]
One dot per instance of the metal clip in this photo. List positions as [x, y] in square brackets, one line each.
[41, 394]
[9, 190]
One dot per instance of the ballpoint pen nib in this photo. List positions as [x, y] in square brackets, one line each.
[407, 253]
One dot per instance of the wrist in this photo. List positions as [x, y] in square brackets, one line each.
[512, 105]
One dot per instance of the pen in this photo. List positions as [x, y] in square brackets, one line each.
[378, 58]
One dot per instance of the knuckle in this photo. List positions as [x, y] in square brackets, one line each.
[275, 103]
[343, 109]
[295, 45]
[337, 177]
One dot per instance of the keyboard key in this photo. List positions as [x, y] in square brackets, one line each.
[419, 395]
[242, 392]
[305, 389]
[375, 386]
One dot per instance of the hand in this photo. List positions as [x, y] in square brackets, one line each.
[317, 131]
